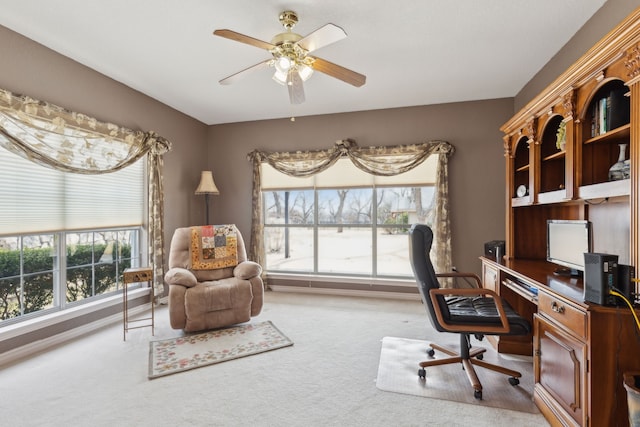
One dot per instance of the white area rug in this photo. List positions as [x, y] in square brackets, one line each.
[398, 372]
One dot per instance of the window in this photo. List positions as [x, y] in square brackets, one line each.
[95, 261]
[65, 238]
[348, 223]
[31, 269]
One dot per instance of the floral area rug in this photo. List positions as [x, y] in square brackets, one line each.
[180, 354]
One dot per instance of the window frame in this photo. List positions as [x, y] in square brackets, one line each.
[59, 270]
[316, 225]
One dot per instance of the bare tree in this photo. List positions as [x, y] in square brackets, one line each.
[380, 199]
[361, 207]
[306, 209]
[277, 203]
[342, 195]
[417, 200]
[384, 207]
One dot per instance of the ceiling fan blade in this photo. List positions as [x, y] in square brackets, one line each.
[322, 37]
[296, 89]
[240, 74]
[232, 35]
[334, 70]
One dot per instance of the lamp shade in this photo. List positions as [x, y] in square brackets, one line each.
[207, 186]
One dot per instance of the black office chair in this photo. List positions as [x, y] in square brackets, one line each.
[465, 311]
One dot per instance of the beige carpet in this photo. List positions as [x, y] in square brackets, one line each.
[326, 379]
[398, 372]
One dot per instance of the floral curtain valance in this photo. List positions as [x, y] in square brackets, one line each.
[380, 161]
[74, 142]
[70, 141]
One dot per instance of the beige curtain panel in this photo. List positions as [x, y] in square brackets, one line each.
[379, 161]
[73, 142]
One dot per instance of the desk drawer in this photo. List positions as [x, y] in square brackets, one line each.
[571, 317]
[490, 278]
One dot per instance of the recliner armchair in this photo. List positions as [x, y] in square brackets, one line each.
[201, 298]
[465, 311]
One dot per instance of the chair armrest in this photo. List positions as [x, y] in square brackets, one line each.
[247, 270]
[455, 274]
[180, 276]
[503, 329]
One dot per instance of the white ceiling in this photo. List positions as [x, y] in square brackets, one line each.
[413, 52]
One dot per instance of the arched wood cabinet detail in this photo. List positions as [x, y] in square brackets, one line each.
[559, 150]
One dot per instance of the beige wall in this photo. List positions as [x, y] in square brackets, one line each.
[476, 169]
[29, 68]
[609, 15]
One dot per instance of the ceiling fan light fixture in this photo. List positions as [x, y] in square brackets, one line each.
[283, 64]
[280, 77]
[305, 72]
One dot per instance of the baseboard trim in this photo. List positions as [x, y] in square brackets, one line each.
[345, 292]
[28, 350]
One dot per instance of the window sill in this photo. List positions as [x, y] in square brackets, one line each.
[344, 285]
[37, 323]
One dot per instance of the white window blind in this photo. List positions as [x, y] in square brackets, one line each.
[34, 198]
[344, 174]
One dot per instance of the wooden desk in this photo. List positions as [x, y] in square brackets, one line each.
[580, 350]
[136, 275]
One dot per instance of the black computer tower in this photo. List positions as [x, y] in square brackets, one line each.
[600, 275]
[494, 249]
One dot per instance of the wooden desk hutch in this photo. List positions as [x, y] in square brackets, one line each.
[580, 350]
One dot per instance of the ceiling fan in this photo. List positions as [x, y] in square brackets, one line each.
[290, 56]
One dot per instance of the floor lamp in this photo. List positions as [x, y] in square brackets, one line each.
[207, 187]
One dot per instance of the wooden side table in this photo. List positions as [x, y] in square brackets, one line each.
[136, 275]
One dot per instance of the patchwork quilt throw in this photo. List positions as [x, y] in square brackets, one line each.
[213, 246]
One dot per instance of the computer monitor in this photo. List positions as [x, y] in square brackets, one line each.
[567, 242]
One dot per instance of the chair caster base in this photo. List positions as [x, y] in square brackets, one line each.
[422, 373]
[477, 394]
[514, 381]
